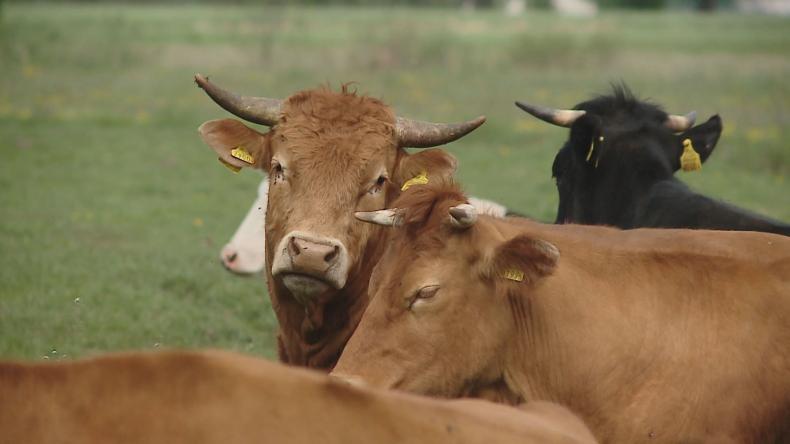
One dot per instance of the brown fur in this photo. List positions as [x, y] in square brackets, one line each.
[219, 397]
[333, 145]
[650, 335]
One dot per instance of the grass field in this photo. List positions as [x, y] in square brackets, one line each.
[112, 211]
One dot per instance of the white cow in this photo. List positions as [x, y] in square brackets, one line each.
[246, 253]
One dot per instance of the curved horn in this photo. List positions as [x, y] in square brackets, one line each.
[254, 109]
[463, 216]
[559, 117]
[679, 124]
[387, 218]
[419, 134]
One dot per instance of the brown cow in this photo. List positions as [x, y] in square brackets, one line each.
[327, 154]
[219, 397]
[650, 335]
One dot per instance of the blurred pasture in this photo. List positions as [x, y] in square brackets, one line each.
[112, 211]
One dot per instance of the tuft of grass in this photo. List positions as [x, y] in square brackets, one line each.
[112, 211]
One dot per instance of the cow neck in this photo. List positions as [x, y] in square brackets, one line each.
[615, 202]
[532, 363]
[314, 336]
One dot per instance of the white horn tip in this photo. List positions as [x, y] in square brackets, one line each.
[463, 216]
[691, 117]
[381, 217]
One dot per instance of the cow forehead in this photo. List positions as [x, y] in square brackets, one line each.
[411, 259]
[337, 108]
[326, 143]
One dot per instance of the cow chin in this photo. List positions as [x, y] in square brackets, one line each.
[304, 288]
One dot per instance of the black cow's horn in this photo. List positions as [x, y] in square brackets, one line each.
[419, 134]
[680, 123]
[254, 109]
[559, 117]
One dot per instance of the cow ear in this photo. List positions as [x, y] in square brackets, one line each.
[426, 165]
[523, 260]
[237, 145]
[703, 138]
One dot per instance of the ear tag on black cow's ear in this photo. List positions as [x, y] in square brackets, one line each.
[592, 147]
[233, 168]
[420, 179]
[690, 160]
[240, 153]
[590, 151]
[513, 275]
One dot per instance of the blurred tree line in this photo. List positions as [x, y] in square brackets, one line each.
[482, 4]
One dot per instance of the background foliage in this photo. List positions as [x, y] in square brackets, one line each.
[112, 211]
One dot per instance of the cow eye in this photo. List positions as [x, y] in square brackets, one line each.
[427, 292]
[424, 294]
[376, 188]
[277, 172]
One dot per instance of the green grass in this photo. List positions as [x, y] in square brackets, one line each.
[112, 211]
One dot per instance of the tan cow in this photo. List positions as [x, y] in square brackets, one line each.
[327, 154]
[219, 397]
[650, 335]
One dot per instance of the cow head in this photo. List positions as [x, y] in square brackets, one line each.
[327, 154]
[440, 317]
[618, 145]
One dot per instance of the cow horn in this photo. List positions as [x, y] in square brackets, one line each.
[387, 218]
[419, 134]
[559, 117]
[678, 123]
[253, 109]
[463, 216]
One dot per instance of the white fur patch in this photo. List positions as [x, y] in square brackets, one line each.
[488, 207]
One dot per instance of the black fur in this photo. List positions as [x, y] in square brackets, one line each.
[629, 179]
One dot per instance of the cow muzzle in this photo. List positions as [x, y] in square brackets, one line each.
[309, 264]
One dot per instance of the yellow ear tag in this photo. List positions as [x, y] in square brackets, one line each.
[233, 168]
[420, 179]
[242, 155]
[513, 274]
[592, 147]
[689, 160]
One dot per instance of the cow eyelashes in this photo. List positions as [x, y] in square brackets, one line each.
[277, 172]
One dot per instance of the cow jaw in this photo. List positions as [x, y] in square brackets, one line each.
[309, 265]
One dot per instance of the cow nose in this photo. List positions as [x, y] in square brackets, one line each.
[240, 260]
[310, 264]
[314, 256]
[228, 257]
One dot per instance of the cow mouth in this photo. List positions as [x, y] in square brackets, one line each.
[304, 287]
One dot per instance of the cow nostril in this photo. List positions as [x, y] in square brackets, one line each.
[293, 247]
[332, 254]
[231, 257]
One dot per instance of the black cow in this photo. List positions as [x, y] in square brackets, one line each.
[617, 167]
